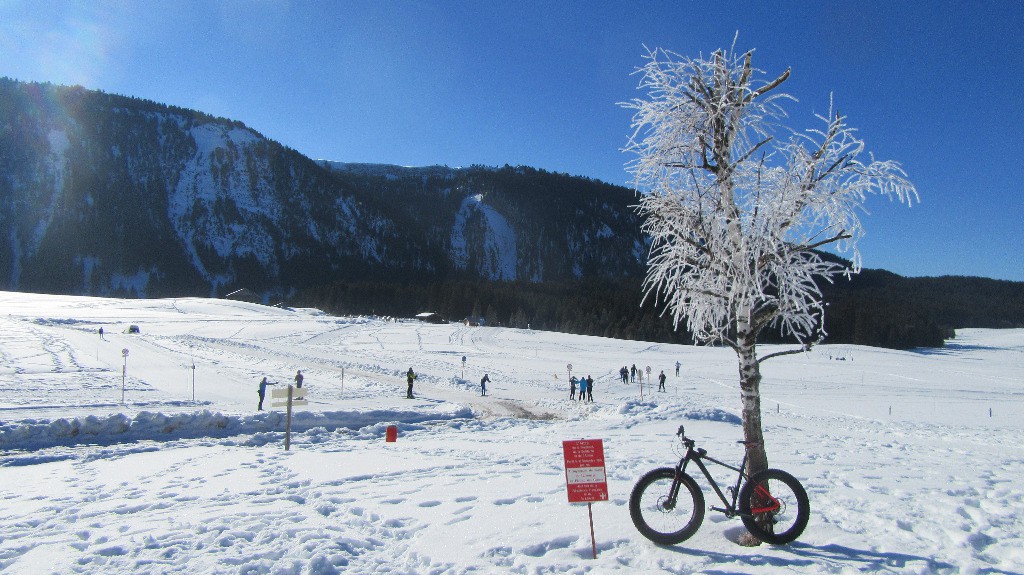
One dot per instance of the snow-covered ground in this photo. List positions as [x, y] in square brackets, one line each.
[907, 469]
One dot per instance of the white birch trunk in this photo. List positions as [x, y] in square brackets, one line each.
[750, 396]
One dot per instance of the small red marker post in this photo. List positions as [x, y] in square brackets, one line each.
[392, 434]
[585, 478]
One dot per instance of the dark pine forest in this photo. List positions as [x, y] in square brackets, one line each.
[876, 308]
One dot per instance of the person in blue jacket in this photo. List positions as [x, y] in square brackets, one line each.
[583, 389]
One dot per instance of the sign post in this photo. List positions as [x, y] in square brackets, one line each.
[193, 358]
[585, 478]
[124, 371]
[287, 398]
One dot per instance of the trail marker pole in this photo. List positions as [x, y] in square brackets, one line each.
[124, 372]
[193, 359]
[288, 422]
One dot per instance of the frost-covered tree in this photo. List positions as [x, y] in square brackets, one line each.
[736, 213]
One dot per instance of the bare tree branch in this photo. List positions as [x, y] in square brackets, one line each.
[782, 353]
[767, 87]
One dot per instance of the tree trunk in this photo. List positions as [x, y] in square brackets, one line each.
[750, 395]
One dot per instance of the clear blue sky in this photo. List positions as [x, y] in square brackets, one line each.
[934, 85]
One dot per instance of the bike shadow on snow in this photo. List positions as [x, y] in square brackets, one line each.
[798, 554]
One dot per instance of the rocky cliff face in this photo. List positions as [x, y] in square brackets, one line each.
[107, 195]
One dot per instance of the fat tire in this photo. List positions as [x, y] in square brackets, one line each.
[656, 485]
[797, 506]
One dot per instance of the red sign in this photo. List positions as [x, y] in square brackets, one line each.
[585, 479]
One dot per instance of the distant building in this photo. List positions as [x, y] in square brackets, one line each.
[429, 317]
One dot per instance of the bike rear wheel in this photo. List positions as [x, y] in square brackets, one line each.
[656, 516]
[774, 507]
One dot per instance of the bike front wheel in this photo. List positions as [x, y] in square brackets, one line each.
[663, 514]
[774, 507]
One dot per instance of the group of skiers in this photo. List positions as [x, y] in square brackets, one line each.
[410, 376]
[585, 384]
[586, 388]
[629, 374]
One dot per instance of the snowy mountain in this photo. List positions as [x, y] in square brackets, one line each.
[107, 195]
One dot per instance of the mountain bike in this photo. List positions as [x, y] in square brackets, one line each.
[667, 505]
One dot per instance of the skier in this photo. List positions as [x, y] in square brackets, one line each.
[483, 385]
[572, 387]
[409, 375]
[661, 381]
[678, 365]
[298, 379]
[101, 334]
[632, 374]
[262, 391]
[590, 389]
[583, 389]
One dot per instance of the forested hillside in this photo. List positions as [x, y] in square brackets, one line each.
[107, 195]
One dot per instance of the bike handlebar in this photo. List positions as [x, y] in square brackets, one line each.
[682, 437]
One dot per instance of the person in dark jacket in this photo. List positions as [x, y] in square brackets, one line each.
[409, 376]
[572, 388]
[661, 381]
[262, 391]
[483, 384]
[590, 389]
[298, 379]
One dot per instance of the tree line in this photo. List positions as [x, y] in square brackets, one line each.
[876, 308]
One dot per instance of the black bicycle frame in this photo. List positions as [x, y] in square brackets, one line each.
[696, 455]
